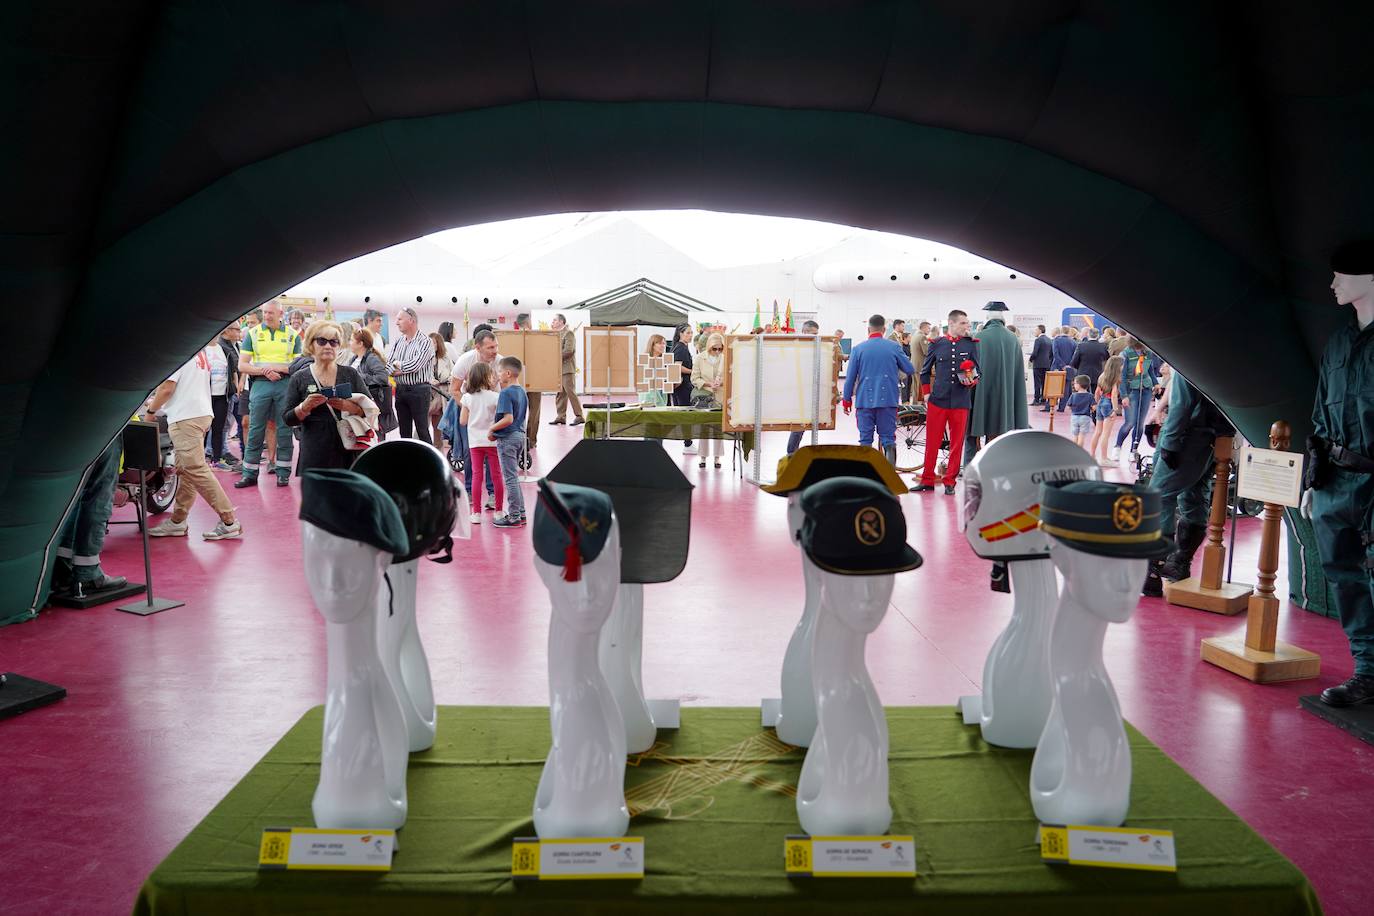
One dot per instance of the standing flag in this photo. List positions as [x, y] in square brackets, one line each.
[758, 320]
[787, 321]
[467, 334]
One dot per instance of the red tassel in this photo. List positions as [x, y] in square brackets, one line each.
[572, 561]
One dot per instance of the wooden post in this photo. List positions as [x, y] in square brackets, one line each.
[1056, 387]
[1261, 657]
[1208, 592]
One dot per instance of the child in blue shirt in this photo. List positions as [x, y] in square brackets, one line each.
[508, 432]
[1081, 408]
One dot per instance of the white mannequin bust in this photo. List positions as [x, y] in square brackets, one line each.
[620, 652]
[844, 784]
[797, 717]
[1017, 693]
[403, 655]
[582, 788]
[1081, 773]
[364, 753]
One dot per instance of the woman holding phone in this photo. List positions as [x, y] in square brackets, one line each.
[320, 394]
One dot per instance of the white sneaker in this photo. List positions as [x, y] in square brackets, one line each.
[168, 529]
[224, 532]
[475, 518]
[1115, 454]
[689, 450]
[491, 502]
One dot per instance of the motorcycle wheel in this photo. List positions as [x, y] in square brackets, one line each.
[162, 491]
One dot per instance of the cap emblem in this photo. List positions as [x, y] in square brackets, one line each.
[869, 526]
[1127, 512]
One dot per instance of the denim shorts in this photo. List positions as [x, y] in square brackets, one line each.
[1104, 409]
[1083, 425]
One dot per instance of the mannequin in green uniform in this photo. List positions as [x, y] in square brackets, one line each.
[999, 401]
[1183, 476]
[1340, 467]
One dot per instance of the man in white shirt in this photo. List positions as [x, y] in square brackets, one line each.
[185, 400]
[484, 349]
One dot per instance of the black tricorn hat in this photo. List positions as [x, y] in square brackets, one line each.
[1106, 519]
[652, 499]
[420, 481]
[996, 306]
[1355, 257]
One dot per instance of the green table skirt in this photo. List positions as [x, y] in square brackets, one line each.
[662, 423]
[713, 802]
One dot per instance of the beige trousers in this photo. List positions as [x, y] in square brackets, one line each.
[188, 441]
[565, 394]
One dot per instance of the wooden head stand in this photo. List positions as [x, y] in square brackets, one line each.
[1261, 656]
[1207, 592]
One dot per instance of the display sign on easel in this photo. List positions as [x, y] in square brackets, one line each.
[784, 393]
[608, 364]
[1055, 382]
[1274, 476]
[541, 353]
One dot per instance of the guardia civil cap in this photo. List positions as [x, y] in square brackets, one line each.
[347, 504]
[996, 306]
[1355, 257]
[814, 463]
[571, 524]
[855, 527]
[1106, 519]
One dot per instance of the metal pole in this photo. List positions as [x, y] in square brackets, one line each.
[143, 527]
[758, 408]
[816, 382]
[607, 433]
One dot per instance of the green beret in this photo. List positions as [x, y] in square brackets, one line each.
[571, 524]
[1106, 519]
[351, 506]
[855, 527]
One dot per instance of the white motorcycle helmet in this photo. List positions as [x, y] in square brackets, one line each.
[1002, 491]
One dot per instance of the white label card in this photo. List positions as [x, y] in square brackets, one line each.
[1108, 847]
[850, 856]
[310, 848]
[574, 859]
[1270, 476]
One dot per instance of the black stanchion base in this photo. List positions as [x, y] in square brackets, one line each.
[92, 599]
[1358, 720]
[144, 608]
[20, 694]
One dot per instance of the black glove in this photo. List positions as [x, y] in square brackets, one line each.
[1169, 457]
[1318, 463]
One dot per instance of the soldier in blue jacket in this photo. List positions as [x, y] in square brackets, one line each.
[950, 371]
[874, 367]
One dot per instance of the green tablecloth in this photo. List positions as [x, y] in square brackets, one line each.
[713, 802]
[662, 423]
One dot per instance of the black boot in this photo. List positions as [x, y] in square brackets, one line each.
[890, 453]
[1001, 581]
[62, 577]
[1154, 585]
[1179, 564]
[1354, 692]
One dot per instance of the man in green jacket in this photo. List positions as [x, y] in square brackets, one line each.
[1139, 376]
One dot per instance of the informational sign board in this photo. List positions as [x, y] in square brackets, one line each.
[541, 352]
[1054, 384]
[1270, 476]
[608, 364]
[789, 381]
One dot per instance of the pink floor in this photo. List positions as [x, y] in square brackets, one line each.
[166, 713]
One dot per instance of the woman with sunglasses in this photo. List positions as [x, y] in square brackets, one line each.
[708, 377]
[315, 408]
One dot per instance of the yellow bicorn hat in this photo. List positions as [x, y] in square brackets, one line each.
[814, 463]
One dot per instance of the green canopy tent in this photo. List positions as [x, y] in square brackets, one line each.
[642, 302]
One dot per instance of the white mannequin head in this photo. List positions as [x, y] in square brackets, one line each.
[342, 573]
[1353, 289]
[584, 605]
[795, 516]
[1107, 587]
[859, 602]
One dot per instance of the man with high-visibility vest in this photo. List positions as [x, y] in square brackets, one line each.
[267, 351]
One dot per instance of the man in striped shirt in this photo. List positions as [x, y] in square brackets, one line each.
[412, 366]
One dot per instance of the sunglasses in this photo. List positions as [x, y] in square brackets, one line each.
[326, 341]
[717, 349]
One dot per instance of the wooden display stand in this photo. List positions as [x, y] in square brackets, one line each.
[1055, 382]
[1207, 592]
[541, 353]
[1261, 657]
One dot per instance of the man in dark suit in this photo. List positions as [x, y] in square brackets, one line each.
[1089, 357]
[1041, 359]
[1064, 345]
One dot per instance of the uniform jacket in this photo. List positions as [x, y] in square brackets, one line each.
[941, 368]
[567, 343]
[1042, 353]
[871, 379]
[1193, 421]
[999, 402]
[1146, 376]
[1064, 346]
[1343, 410]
